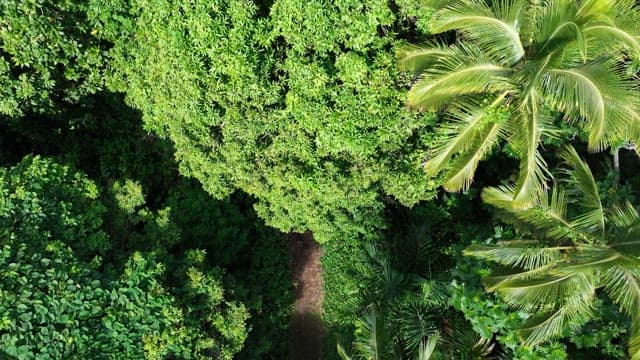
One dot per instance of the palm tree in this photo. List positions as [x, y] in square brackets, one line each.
[374, 343]
[560, 261]
[400, 317]
[516, 64]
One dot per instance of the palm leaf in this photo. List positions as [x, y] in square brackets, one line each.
[372, 341]
[591, 8]
[625, 220]
[558, 28]
[599, 95]
[612, 37]
[587, 258]
[533, 174]
[428, 347]
[581, 176]
[545, 216]
[538, 293]
[624, 217]
[342, 352]
[465, 343]
[417, 58]
[439, 85]
[614, 24]
[575, 311]
[460, 135]
[496, 34]
[460, 174]
[498, 279]
[634, 338]
[525, 254]
[622, 283]
[575, 91]
[414, 321]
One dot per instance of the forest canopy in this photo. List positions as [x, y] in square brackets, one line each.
[467, 167]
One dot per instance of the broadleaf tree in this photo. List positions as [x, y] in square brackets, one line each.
[57, 302]
[305, 115]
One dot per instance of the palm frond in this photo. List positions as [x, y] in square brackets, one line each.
[525, 254]
[625, 221]
[624, 217]
[495, 29]
[431, 293]
[622, 283]
[613, 38]
[594, 8]
[460, 174]
[414, 322]
[531, 124]
[428, 347]
[575, 91]
[580, 175]
[342, 352]
[597, 94]
[573, 312]
[465, 343]
[459, 135]
[588, 259]
[417, 58]
[538, 293]
[372, 341]
[465, 71]
[614, 25]
[498, 278]
[386, 283]
[557, 28]
[544, 216]
[634, 338]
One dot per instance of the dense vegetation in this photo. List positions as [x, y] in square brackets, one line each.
[155, 153]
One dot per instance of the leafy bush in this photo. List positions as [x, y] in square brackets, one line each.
[56, 305]
[48, 56]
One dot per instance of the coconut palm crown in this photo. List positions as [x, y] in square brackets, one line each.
[554, 269]
[533, 59]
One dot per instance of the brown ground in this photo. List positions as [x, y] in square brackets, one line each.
[307, 332]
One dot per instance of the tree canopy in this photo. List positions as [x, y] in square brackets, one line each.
[157, 158]
[306, 116]
[529, 61]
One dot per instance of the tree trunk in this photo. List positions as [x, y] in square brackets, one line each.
[616, 166]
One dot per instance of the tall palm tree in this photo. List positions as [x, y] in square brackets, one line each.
[516, 64]
[560, 261]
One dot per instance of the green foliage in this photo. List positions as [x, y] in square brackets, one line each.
[490, 316]
[149, 208]
[43, 201]
[292, 112]
[393, 296]
[306, 116]
[57, 305]
[562, 255]
[226, 226]
[255, 257]
[48, 56]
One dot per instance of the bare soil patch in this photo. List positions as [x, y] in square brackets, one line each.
[307, 331]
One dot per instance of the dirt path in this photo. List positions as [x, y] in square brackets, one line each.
[307, 332]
